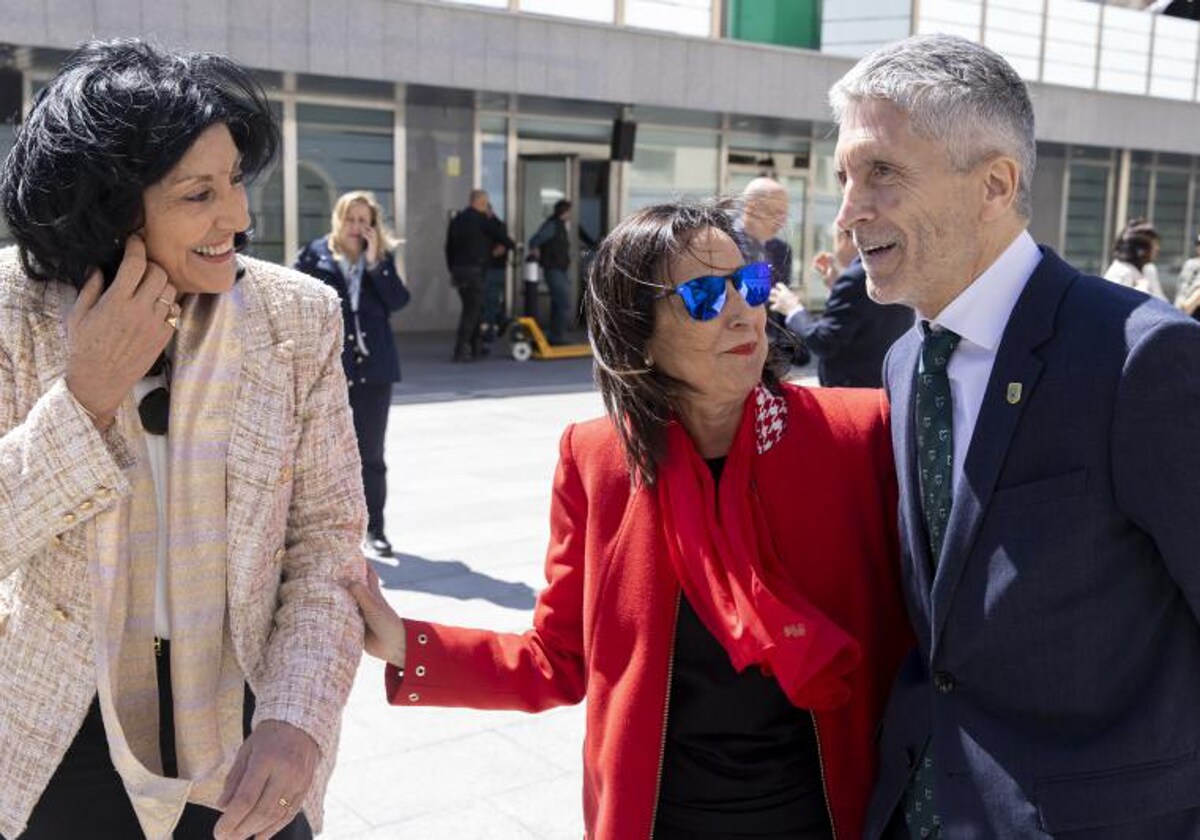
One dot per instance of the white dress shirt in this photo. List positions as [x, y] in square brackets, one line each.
[979, 314]
[156, 451]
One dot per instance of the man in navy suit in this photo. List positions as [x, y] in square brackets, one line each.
[852, 335]
[1046, 428]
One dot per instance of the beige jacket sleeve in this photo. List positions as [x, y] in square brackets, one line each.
[56, 469]
[314, 650]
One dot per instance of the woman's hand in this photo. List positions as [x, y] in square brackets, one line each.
[371, 237]
[115, 335]
[385, 637]
[268, 782]
[1192, 302]
[824, 263]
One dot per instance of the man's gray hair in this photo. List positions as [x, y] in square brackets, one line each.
[955, 92]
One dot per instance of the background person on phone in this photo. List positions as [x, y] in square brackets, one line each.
[179, 483]
[355, 260]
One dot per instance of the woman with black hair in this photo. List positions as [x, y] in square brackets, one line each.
[179, 486]
[1133, 259]
[722, 575]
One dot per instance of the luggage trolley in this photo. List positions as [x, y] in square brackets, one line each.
[525, 337]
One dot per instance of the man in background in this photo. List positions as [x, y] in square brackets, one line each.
[470, 239]
[853, 334]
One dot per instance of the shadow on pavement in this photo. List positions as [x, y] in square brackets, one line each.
[450, 579]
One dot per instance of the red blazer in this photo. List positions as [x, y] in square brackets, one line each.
[604, 626]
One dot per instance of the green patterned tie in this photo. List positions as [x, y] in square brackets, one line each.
[935, 462]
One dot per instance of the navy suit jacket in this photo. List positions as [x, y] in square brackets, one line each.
[1057, 669]
[853, 334]
[383, 292]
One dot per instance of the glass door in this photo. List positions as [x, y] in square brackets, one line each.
[542, 181]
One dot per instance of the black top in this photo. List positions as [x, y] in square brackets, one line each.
[739, 758]
[470, 237]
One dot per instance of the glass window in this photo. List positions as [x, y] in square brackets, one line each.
[341, 149]
[1138, 206]
[265, 197]
[537, 128]
[1072, 38]
[339, 86]
[1170, 220]
[684, 17]
[953, 17]
[1013, 28]
[597, 10]
[855, 27]
[1173, 64]
[668, 165]
[1125, 50]
[1087, 200]
[493, 170]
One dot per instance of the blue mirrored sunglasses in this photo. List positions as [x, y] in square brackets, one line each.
[704, 297]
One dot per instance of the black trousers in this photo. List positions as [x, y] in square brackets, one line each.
[370, 403]
[469, 283]
[85, 797]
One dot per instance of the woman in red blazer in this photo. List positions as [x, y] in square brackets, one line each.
[722, 571]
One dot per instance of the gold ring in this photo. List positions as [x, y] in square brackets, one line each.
[173, 321]
[283, 803]
[163, 300]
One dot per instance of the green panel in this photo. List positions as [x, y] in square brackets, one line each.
[788, 23]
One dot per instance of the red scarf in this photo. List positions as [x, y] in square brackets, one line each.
[723, 552]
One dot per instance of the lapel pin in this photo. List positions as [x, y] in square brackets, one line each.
[1014, 393]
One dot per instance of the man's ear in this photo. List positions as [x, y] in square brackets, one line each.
[1001, 182]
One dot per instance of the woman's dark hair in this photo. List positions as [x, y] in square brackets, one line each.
[624, 281]
[1135, 246]
[115, 120]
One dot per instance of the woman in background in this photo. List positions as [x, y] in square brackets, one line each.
[1133, 259]
[355, 259]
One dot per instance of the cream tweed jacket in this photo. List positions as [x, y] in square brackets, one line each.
[295, 517]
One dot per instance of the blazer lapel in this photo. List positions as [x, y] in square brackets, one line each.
[1030, 325]
[902, 376]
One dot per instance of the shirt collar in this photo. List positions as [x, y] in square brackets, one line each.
[980, 312]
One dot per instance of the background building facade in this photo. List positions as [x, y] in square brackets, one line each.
[422, 101]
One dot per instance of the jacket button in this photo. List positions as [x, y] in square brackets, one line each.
[944, 682]
[56, 539]
[419, 670]
[85, 506]
[279, 555]
[68, 517]
[60, 614]
[285, 475]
